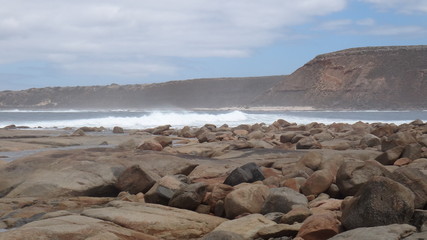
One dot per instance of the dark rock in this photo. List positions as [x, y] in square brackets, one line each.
[117, 129]
[370, 140]
[352, 175]
[189, 196]
[274, 216]
[287, 137]
[134, 180]
[297, 214]
[283, 200]
[381, 201]
[249, 173]
[419, 220]
[415, 180]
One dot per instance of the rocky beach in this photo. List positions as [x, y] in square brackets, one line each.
[261, 181]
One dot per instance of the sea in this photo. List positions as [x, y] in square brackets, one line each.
[140, 119]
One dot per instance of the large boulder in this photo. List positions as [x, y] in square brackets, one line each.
[415, 180]
[135, 179]
[283, 200]
[249, 173]
[381, 201]
[74, 227]
[352, 175]
[161, 221]
[246, 199]
[393, 231]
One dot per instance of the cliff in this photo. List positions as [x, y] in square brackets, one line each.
[359, 78]
[197, 93]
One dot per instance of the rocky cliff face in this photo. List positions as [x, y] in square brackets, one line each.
[359, 78]
[198, 93]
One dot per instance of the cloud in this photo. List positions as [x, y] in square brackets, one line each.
[110, 35]
[404, 6]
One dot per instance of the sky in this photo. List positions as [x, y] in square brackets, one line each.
[45, 43]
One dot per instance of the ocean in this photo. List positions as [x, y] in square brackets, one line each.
[147, 119]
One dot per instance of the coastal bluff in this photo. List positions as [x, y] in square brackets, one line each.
[393, 77]
[384, 78]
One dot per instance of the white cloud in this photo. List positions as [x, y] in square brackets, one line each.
[105, 32]
[396, 30]
[404, 6]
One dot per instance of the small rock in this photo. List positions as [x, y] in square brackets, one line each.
[308, 143]
[402, 162]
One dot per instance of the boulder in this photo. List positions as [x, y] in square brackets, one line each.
[283, 200]
[186, 132]
[412, 151]
[78, 132]
[164, 140]
[135, 179]
[74, 227]
[249, 198]
[162, 221]
[249, 173]
[318, 182]
[189, 196]
[296, 215]
[311, 160]
[222, 235]
[219, 192]
[117, 130]
[247, 226]
[393, 231]
[150, 145]
[279, 231]
[381, 201]
[287, 137]
[160, 129]
[415, 180]
[419, 220]
[164, 190]
[370, 140]
[308, 143]
[320, 227]
[352, 175]
[391, 155]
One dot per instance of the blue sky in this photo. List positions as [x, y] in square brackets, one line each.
[99, 42]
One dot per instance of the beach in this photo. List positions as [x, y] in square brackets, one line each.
[281, 180]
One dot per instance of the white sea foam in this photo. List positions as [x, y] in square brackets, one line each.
[139, 120]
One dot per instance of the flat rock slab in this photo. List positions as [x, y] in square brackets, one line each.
[157, 220]
[73, 227]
